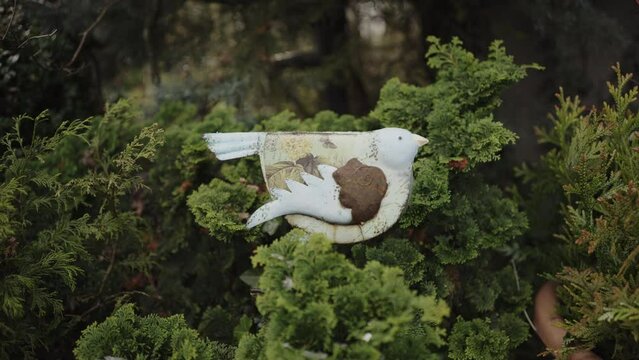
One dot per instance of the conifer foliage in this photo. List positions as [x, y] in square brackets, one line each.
[320, 305]
[124, 209]
[41, 240]
[453, 241]
[594, 158]
[56, 245]
[129, 336]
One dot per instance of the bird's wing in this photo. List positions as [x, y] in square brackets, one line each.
[318, 198]
[228, 146]
[391, 207]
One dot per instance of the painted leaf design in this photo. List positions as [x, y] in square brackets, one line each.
[277, 173]
[310, 163]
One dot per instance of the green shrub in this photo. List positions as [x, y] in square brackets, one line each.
[593, 164]
[477, 340]
[65, 233]
[168, 234]
[318, 304]
[129, 336]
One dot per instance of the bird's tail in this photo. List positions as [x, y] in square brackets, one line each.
[228, 146]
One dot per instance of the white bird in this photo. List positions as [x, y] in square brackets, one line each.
[351, 186]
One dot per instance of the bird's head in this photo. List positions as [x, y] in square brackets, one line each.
[397, 147]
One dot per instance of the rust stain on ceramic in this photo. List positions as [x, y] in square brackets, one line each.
[362, 189]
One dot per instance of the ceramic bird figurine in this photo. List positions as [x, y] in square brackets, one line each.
[351, 186]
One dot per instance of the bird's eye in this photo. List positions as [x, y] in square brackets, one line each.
[400, 138]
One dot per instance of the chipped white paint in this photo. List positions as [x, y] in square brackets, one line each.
[323, 202]
[298, 170]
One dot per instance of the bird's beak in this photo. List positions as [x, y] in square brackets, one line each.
[420, 140]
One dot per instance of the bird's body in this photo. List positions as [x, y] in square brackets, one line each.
[350, 186]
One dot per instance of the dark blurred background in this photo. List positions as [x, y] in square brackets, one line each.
[73, 56]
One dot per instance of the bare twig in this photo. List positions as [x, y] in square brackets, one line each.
[530, 322]
[108, 271]
[37, 37]
[110, 299]
[151, 41]
[86, 32]
[13, 14]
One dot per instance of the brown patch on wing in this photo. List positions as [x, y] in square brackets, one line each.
[362, 189]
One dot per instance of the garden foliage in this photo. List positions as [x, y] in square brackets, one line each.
[65, 238]
[593, 167]
[133, 208]
[320, 305]
[129, 336]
